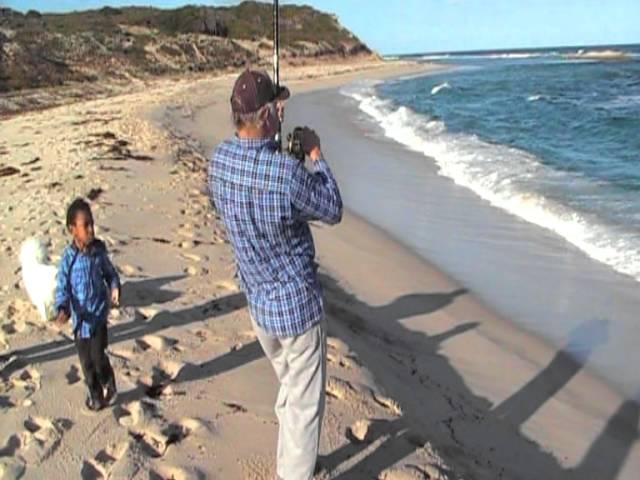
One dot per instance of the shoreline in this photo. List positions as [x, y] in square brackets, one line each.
[417, 381]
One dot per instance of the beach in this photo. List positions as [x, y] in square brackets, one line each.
[426, 380]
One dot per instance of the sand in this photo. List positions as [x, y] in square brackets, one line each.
[424, 383]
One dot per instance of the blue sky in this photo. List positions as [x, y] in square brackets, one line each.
[407, 26]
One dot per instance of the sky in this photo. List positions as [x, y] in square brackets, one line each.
[411, 26]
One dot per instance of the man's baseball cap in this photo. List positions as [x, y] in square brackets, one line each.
[253, 90]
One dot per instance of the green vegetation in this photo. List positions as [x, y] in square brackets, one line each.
[248, 20]
[51, 49]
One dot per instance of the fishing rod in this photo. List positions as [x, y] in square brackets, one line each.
[294, 139]
[276, 62]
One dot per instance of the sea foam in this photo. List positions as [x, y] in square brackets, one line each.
[501, 175]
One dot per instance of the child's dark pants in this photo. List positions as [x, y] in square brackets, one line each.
[96, 367]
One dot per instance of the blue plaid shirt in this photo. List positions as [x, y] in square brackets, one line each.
[83, 286]
[265, 199]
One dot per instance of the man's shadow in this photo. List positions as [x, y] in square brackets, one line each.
[408, 305]
[405, 306]
[470, 419]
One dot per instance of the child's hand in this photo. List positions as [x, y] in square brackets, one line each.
[115, 297]
[61, 319]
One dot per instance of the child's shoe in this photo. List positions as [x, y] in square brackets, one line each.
[93, 404]
[111, 392]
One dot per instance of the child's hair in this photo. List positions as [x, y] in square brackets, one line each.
[77, 206]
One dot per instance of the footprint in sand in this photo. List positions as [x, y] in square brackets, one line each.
[41, 438]
[248, 335]
[27, 380]
[177, 432]
[170, 369]
[339, 360]
[11, 468]
[186, 231]
[6, 403]
[343, 390]
[16, 313]
[337, 344]
[186, 244]
[340, 355]
[159, 383]
[155, 438]
[227, 285]
[388, 403]
[191, 256]
[218, 239]
[125, 353]
[192, 425]
[169, 472]
[191, 271]
[235, 408]
[155, 342]
[408, 472]
[203, 335]
[129, 270]
[339, 389]
[11, 446]
[359, 431]
[101, 466]
[134, 413]
[73, 375]
[146, 313]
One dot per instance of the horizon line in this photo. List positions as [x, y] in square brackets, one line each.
[512, 49]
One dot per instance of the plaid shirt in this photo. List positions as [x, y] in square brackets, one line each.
[265, 199]
[81, 286]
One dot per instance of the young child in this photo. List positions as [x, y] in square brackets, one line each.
[87, 284]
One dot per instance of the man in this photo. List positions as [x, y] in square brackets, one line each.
[266, 199]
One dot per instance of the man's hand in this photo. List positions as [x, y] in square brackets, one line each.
[311, 143]
[115, 297]
[61, 319]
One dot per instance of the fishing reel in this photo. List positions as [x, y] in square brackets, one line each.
[294, 144]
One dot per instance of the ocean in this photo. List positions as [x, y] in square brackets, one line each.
[521, 180]
[547, 135]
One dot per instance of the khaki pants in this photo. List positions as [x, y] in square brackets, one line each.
[300, 364]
